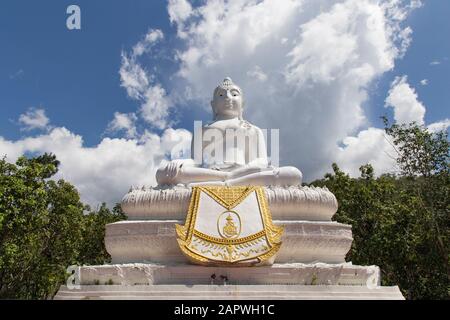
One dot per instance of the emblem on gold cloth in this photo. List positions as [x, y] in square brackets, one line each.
[229, 225]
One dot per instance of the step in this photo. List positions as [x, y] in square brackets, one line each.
[229, 292]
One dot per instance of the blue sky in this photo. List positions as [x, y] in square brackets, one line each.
[430, 43]
[74, 75]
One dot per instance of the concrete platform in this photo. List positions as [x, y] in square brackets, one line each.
[229, 292]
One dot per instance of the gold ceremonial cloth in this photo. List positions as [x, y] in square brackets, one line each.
[229, 226]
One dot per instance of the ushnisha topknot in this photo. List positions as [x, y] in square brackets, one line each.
[227, 84]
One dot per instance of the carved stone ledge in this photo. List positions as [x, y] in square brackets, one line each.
[290, 203]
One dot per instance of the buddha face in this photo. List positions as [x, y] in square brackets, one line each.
[227, 102]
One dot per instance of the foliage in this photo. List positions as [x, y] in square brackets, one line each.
[401, 223]
[43, 229]
[420, 152]
[93, 249]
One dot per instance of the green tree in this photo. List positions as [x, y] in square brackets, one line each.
[93, 249]
[423, 158]
[401, 223]
[419, 151]
[36, 235]
[43, 229]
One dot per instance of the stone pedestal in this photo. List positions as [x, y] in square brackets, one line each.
[147, 262]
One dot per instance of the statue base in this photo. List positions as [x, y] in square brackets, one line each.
[147, 262]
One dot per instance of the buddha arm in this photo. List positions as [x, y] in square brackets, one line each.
[184, 171]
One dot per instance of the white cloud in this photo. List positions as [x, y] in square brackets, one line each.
[315, 84]
[369, 146]
[179, 11]
[103, 172]
[435, 63]
[373, 145]
[133, 77]
[424, 82]
[403, 98]
[34, 119]
[257, 73]
[17, 75]
[155, 109]
[143, 86]
[439, 126]
[152, 37]
[123, 122]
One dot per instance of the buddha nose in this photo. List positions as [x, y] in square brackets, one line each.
[229, 95]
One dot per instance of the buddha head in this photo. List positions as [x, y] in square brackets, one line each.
[228, 101]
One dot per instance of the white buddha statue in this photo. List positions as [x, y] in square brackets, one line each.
[228, 164]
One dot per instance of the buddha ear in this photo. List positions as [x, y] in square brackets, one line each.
[213, 110]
